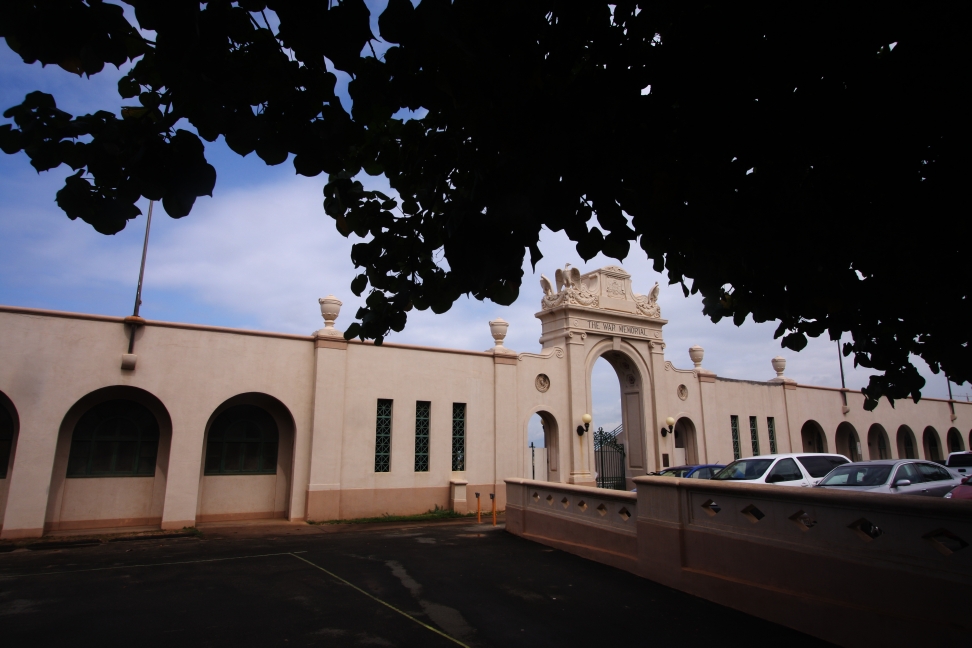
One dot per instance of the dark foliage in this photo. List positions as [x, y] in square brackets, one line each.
[800, 163]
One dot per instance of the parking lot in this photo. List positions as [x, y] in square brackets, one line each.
[381, 585]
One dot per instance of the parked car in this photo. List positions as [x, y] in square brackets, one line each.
[960, 463]
[788, 469]
[699, 471]
[962, 491]
[894, 476]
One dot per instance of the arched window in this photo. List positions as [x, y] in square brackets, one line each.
[118, 438]
[243, 440]
[6, 439]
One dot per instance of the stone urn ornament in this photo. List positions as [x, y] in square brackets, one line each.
[696, 353]
[779, 365]
[330, 309]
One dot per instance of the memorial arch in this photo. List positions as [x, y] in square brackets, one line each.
[598, 315]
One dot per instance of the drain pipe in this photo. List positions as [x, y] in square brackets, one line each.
[134, 321]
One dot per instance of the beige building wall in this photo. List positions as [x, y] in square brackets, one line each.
[323, 392]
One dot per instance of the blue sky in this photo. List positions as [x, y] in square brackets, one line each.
[261, 251]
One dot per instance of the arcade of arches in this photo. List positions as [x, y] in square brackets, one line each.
[202, 424]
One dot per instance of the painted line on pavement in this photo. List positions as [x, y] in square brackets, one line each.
[375, 598]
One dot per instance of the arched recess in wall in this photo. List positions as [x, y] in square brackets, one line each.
[814, 439]
[878, 445]
[111, 461]
[248, 455]
[907, 448]
[686, 442]
[847, 441]
[953, 441]
[542, 460]
[9, 429]
[633, 379]
[931, 443]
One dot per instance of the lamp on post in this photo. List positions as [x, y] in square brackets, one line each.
[581, 429]
[670, 422]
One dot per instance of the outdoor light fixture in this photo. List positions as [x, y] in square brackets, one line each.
[670, 422]
[581, 429]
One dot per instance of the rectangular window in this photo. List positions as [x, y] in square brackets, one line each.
[383, 436]
[458, 436]
[754, 435]
[734, 421]
[422, 417]
[771, 428]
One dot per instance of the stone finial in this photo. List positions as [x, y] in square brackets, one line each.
[330, 309]
[497, 329]
[696, 353]
[779, 365]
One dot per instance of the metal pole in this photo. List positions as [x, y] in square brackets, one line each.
[533, 459]
[843, 385]
[141, 276]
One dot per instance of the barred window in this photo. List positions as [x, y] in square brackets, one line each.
[243, 440]
[754, 435]
[6, 440]
[458, 436]
[383, 436]
[118, 438]
[422, 418]
[734, 421]
[771, 428]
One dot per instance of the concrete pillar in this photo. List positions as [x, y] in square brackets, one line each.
[581, 459]
[30, 475]
[327, 436]
[508, 439]
[185, 469]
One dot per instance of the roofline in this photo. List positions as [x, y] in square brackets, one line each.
[111, 319]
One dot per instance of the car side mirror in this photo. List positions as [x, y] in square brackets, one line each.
[900, 483]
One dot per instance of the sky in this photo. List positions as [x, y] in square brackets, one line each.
[261, 251]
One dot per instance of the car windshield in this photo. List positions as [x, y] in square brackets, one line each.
[820, 465]
[858, 476]
[744, 469]
[675, 472]
[960, 461]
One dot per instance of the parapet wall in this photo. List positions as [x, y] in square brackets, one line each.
[851, 568]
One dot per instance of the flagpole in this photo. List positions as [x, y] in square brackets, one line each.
[141, 276]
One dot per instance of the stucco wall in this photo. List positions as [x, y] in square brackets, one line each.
[323, 393]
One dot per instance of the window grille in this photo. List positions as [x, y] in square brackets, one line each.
[458, 436]
[771, 428]
[734, 421]
[422, 418]
[6, 440]
[118, 438]
[754, 435]
[243, 440]
[383, 436]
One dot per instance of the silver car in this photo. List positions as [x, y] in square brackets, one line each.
[894, 476]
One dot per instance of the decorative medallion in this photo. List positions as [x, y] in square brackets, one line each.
[682, 392]
[615, 289]
[631, 379]
[542, 382]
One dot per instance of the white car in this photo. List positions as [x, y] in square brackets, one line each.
[960, 463]
[789, 469]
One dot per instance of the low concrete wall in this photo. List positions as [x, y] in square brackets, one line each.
[851, 568]
[592, 522]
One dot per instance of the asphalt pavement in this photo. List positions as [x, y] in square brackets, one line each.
[437, 584]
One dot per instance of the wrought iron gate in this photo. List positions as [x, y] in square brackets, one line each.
[609, 459]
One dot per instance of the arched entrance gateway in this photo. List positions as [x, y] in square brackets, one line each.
[598, 315]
